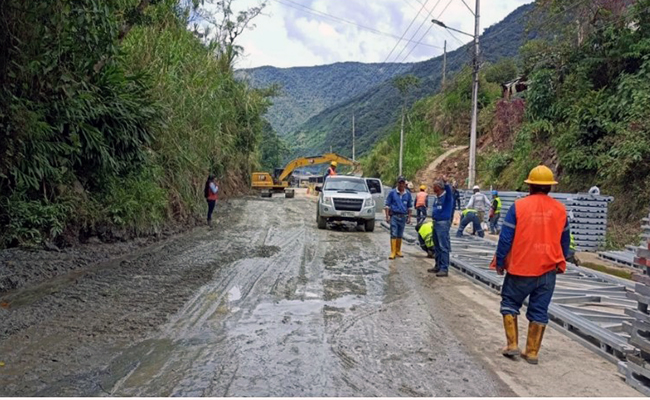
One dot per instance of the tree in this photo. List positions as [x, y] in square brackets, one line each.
[404, 84]
[224, 26]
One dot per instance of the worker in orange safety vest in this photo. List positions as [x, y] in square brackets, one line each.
[331, 171]
[533, 246]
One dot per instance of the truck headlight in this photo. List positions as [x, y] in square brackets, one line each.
[370, 202]
[327, 200]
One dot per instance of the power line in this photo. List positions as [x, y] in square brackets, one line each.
[427, 31]
[418, 30]
[404, 34]
[309, 10]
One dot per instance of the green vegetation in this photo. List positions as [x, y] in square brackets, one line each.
[307, 91]
[378, 107]
[585, 113]
[113, 114]
[430, 119]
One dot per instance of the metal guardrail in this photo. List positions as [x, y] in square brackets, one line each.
[588, 212]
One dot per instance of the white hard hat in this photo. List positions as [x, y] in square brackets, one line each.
[476, 187]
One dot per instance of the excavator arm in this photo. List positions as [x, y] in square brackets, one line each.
[304, 161]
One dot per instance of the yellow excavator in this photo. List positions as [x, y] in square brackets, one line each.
[280, 181]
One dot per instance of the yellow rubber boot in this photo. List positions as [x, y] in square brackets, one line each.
[533, 342]
[512, 336]
[398, 251]
[393, 249]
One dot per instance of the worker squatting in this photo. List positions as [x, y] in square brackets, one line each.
[533, 247]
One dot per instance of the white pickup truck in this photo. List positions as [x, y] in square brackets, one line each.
[349, 198]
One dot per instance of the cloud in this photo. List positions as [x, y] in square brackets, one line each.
[289, 35]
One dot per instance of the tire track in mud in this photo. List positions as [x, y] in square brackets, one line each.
[283, 309]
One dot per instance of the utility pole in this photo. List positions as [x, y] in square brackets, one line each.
[353, 158]
[444, 67]
[401, 144]
[472, 140]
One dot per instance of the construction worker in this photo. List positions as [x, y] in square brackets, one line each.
[421, 205]
[470, 215]
[425, 238]
[331, 171]
[532, 249]
[572, 251]
[479, 202]
[398, 213]
[495, 212]
[443, 209]
[456, 197]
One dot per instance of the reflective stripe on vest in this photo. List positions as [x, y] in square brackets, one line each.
[498, 210]
[537, 247]
[426, 232]
[331, 171]
[572, 245]
[468, 210]
[421, 199]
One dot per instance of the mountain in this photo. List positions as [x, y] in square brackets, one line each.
[378, 107]
[307, 91]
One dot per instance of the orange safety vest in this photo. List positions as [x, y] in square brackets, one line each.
[537, 247]
[421, 199]
[331, 171]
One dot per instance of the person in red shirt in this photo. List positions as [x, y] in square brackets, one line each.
[210, 192]
[532, 249]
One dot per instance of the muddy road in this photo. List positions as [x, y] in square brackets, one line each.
[265, 304]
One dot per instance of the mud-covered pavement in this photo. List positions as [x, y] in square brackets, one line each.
[264, 305]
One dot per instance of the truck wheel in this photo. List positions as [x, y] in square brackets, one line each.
[322, 222]
[370, 225]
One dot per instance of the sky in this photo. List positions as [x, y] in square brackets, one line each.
[294, 33]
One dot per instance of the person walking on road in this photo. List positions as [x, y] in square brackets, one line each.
[470, 216]
[210, 192]
[495, 212]
[331, 171]
[532, 249]
[443, 209]
[398, 213]
[421, 205]
[479, 202]
[426, 238]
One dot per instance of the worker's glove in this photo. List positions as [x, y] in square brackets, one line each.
[501, 270]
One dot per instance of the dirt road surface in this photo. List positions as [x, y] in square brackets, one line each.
[268, 305]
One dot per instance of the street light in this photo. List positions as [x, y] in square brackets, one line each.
[472, 140]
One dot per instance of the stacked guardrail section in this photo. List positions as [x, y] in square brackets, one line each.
[642, 259]
[588, 214]
[637, 368]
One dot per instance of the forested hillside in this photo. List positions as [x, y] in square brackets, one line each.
[112, 116]
[585, 113]
[378, 107]
[306, 91]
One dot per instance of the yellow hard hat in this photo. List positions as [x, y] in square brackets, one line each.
[334, 164]
[541, 175]
[422, 187]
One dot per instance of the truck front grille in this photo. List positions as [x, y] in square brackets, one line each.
[348, 204]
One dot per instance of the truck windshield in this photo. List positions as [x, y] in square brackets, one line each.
[342, 184]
